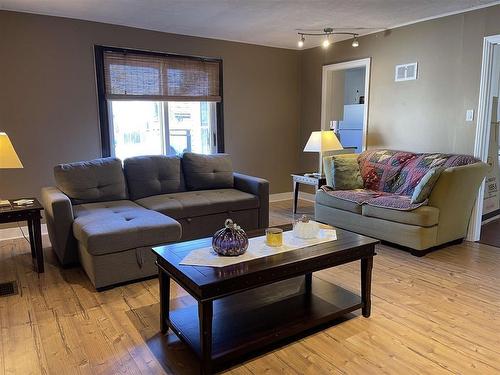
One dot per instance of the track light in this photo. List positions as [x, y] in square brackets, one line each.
[325, 33]
[301, 41]
[326, 42]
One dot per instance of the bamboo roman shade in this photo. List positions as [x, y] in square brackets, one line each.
[135, 76]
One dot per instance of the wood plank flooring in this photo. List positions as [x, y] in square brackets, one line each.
[434, 315]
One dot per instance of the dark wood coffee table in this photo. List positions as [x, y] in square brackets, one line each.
[248, 306]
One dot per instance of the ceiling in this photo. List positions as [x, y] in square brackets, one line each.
[263, 22]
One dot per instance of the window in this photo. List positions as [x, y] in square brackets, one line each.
[152, 103]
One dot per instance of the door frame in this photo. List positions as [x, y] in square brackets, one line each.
[361, 63]
[482, 139]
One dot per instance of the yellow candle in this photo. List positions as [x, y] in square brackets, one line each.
[274, 237]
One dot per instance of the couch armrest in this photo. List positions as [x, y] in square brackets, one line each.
[454, 194]
[259, 187]
[59, 218]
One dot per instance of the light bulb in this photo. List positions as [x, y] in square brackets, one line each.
[355, 42]
[301, 42]
[326, 43]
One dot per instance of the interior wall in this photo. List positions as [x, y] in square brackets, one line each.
[48, 103]
[354, 85]
[427, 114]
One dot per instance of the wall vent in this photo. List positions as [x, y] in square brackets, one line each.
[406, 72]
[8, 289]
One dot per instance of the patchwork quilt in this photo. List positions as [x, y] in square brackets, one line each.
[375, 198]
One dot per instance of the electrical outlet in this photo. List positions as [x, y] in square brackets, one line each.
[469, 115]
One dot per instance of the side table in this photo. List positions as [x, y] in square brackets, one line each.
[300, 178]
[31, 214]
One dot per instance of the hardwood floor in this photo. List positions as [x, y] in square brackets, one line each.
[438, 314]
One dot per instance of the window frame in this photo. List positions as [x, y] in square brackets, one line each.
[103, 107]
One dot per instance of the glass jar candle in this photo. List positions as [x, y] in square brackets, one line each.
[274, 237]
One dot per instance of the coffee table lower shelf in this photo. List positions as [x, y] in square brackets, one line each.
[249, 321]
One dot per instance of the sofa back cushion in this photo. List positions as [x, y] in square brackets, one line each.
[342, 172]
[153, 175]
[202, 172]
[92, 181]
[414, 170]
[380, 168]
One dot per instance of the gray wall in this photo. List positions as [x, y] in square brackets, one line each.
[48, 102]
[423, 115]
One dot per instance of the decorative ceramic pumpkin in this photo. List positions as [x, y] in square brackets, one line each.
[231, 240]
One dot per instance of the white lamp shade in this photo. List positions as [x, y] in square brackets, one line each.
[8, 156]
[321, 141]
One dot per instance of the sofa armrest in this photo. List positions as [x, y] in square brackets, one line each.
[259, 187]
[59, 218]
[454, 194]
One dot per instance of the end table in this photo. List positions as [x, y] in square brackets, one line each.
[301, 178]
[31, 213]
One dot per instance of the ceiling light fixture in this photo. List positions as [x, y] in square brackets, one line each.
[326, 42]
[301, 41]
[326, 32]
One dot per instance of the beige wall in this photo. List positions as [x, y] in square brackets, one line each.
[48, 100]
[423, 115]
[272, 96]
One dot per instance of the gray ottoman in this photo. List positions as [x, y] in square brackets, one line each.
[115, 240]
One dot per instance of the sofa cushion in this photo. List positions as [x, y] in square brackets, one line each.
[345, 173]
[424, 187]
[425, 216]
[203, 172]
[371, 197]
[395, 202]
[337, 201]
[380, 168]
[152, 175]
[109, 227]
[199, 203]
[92, 181]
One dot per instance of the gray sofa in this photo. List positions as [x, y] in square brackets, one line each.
[107, 217]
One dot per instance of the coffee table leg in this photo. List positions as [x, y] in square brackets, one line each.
[366, 285]
[308, 282]
[205, 313]
[164, 301]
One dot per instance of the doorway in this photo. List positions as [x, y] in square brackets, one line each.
[486, 145]
[344, 107]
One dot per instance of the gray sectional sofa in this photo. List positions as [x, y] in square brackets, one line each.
[107, 217]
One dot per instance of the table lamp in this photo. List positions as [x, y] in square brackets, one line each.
[321, 141]
[8, 159]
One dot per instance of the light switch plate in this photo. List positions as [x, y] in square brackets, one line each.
[469, 115]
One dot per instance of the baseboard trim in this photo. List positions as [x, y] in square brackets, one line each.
[17, 232]
[278, 197]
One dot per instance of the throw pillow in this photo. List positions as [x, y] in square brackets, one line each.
[424, 187]
[346, 174]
